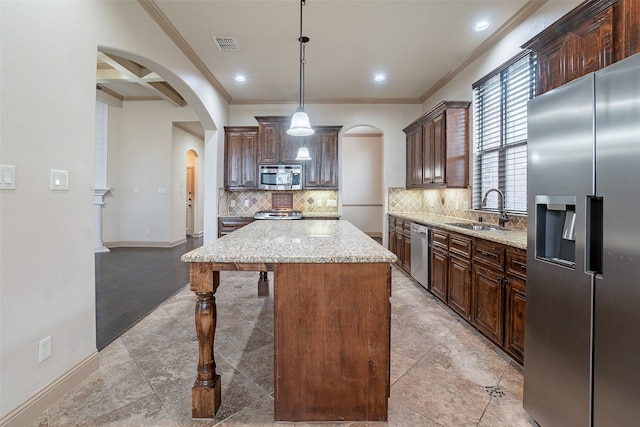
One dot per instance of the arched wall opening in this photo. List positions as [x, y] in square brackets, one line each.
[362, 186]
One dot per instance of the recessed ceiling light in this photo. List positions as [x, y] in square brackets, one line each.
[241, 78]
[380, 77]
[481, 25]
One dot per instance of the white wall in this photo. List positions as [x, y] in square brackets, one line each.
[361, 182]
[459, 89]
[146, 191]
[47, 238]
[182, 143]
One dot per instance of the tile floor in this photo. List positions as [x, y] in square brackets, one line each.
[443, 373]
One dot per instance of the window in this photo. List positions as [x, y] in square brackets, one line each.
[500, 133]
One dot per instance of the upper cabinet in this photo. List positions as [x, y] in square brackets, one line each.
[240, 151]
[248, 147]
[438, 147]
[321, 171]
[592, 36]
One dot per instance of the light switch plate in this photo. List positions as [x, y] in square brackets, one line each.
[59, 180]
[7, 177]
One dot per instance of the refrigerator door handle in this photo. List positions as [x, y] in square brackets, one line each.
[594, 233]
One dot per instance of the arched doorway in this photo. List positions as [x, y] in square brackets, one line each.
[362, 181]
[192, 158]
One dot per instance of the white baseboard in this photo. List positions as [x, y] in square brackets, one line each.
[31, 409]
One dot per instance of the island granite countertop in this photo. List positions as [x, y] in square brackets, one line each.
[507, 236]
[310, 241]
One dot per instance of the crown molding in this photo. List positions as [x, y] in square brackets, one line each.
[329, 101]
[517, 19]
[172, 32]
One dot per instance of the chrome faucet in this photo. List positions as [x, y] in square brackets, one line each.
[503, 218]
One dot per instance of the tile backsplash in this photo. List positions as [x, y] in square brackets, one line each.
[449, 202]
[246, 203]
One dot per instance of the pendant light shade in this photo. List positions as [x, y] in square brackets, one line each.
[303, 154]
[300, 125]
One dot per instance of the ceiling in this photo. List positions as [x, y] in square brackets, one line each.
[417, 45]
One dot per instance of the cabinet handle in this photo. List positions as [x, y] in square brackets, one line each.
[483, 253]
[506, 281]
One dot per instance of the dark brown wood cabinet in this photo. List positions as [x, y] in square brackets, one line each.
[485, 283]
[322, 170]
[439, 263]
[275, 146]
[240, 151]
[229, 224]
[400, 241]
[459, 281]
[592, 36]
[488, 290]
[437, 147]
[515, 302]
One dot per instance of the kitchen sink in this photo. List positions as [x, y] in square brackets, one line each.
[476, 226]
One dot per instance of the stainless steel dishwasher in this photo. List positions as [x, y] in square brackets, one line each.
[420, 254]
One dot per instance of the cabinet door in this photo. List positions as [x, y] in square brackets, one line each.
[269, 150]
[406, 264]
[400, 249]
[439, 150]
[487, 311]
[414, 158]
[241, 172]
[459, 290]
[290, 145]
[428, 150]
[322, 170]
[439, 268]
[515, 318]
[392, 242]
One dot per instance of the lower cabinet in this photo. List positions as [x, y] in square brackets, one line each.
[488, 307]
[228, 224]
[400, 241]
[485, 283]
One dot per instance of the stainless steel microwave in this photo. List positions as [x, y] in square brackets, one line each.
[280, 177]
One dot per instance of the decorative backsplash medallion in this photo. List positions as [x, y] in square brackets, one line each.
[449, 202]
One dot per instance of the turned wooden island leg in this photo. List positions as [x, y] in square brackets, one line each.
[263, 284]
[206, 390]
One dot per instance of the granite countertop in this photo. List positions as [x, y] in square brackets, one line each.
[311, 241]
[321, 215]
[507, 236]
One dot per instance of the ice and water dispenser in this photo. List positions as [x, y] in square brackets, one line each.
[556, 229]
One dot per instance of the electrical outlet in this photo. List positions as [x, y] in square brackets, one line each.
[45, 349]
[465, 204]
[246, 203]
[319, 203]
[430, 202]
[232, 203]
[457, 203]
[332, 202]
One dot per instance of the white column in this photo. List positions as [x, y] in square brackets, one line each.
[98, 202]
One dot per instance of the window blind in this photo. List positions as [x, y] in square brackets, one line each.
[500, 133]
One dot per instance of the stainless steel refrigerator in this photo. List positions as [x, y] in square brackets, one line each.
[582, 336]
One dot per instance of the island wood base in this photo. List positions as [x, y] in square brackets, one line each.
[332, 332]
[332, 340]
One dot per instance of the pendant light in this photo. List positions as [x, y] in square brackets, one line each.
[300, 125]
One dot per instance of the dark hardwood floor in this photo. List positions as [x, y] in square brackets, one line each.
[132, 282]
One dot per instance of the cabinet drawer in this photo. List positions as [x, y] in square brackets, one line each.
[407, 229]
[440, 239]
[460, 245]
[516, 262]
[229, 224]
[488, 253]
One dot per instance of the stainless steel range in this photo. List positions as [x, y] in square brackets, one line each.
[278, 214]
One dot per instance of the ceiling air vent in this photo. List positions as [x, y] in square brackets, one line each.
[226, 44]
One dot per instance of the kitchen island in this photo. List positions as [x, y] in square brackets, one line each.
[332, 314]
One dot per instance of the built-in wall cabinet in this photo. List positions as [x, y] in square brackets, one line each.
[438, 147]
[247, 147]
